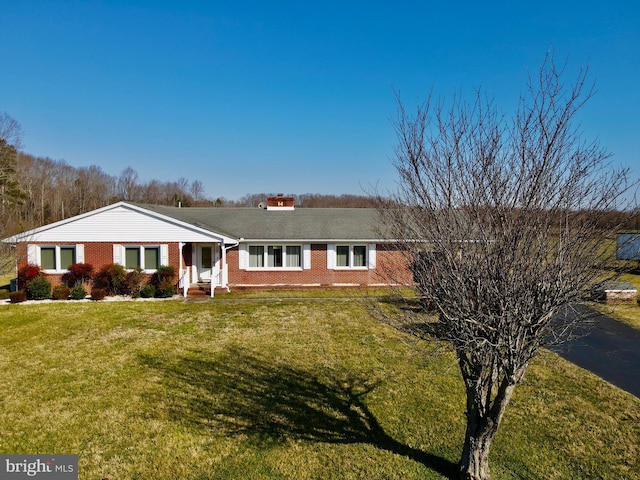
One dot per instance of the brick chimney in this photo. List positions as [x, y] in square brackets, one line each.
[280, 202]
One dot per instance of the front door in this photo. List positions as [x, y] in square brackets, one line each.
[208, 263]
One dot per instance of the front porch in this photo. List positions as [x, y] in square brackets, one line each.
[203, 269]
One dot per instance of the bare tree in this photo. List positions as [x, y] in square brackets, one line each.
[10, 131]
[501, 225]
[128, 186]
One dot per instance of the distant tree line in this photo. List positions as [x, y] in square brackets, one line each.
[35, 191]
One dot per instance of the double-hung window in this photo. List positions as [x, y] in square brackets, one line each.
[275, 256]
[144, 257]
[54, 258]
[351, 256]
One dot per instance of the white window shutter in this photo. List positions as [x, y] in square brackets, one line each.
[117, 254]
[243, 256]
[306, 256]
[80, 253]
[372, 255]
[331, 256]
[32, 254]
[164, 254]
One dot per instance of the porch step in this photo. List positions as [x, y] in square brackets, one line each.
[203, 290]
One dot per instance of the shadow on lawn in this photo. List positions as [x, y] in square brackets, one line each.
[239, 393]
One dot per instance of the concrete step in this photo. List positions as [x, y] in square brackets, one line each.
[202, 290]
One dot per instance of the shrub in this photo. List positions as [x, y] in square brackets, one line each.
[111, 278]
[60, 292]
[78, 292]
[39, 288]
[27, 273]
[148, 291]
[78, 273]
[134, 281]
[18, 296]
[164, 281]
[165, 290]
[164, 274]
[98, 293]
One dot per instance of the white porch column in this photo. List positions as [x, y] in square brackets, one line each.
[224, 272]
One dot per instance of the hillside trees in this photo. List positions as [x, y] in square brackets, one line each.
[53, 190]
[495, 231]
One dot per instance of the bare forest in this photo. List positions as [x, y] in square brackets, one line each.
[37, 190]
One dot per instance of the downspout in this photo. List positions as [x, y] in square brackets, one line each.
[224, 263]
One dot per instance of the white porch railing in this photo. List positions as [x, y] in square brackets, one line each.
[185, 282]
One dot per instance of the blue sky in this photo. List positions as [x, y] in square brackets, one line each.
[291, 96]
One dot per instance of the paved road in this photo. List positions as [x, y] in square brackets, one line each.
[611, 350]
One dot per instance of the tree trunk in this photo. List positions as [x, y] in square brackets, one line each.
[482, 425]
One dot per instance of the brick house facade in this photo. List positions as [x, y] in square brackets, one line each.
[276, 245]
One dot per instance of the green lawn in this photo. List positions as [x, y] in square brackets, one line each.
[293, 389]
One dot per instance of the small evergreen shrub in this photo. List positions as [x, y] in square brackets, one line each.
[39, 288]
[18, 296]
[111, 278]
[164, 280]
[134, 281]
[27, 273]
[148, 291]
[166, 290]
[98, 293]
[78, 292]
[60, 292]
[78, 273]
[164, 274]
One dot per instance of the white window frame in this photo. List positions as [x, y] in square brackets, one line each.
[369, 261]
[34, 254]
[245, 259]
[120, 255]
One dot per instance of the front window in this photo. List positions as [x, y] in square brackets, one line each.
[275, 256]
[256, 256]
[48, 258]
[294, 256]
[57, 258]
[132, 257]
[151, 258]
[359, 256]
[350, 256]
[143, 257]
[342, 256]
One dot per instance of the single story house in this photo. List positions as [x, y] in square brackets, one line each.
[275, 245]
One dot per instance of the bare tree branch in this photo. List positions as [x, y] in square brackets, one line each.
[503, 225]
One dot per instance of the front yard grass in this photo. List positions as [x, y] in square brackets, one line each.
[295, 389]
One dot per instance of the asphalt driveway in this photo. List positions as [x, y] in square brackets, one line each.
[610, 349]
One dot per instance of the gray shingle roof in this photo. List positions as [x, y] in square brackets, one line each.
[301, 224]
